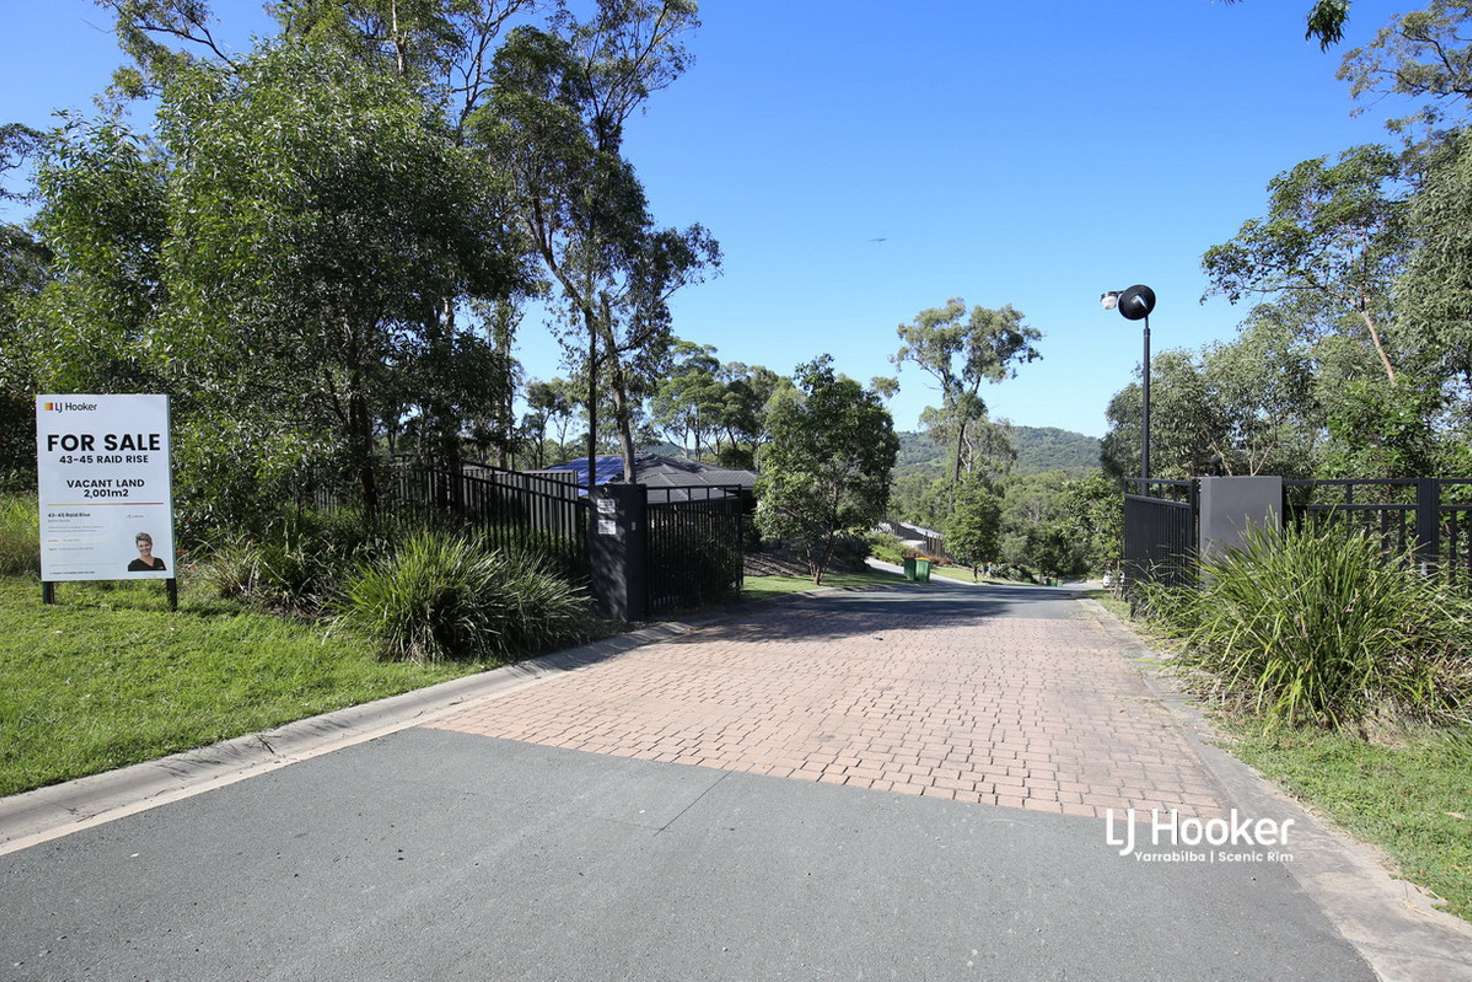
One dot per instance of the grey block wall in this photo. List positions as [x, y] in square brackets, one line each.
[1229, 506]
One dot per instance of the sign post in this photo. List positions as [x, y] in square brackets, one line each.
[105, 490]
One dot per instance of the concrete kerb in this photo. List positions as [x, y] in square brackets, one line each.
[1392, 923]
[33, 817]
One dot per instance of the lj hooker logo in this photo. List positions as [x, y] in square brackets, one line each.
[56, 407]
[1173, 839]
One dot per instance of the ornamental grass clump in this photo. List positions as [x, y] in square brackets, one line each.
[441, 596]
[1320, 626]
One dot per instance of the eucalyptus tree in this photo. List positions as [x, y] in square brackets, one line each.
[1186, 422]
[973, 530]
[555, 123]
[1435, 293]
[826, 465]
[1261, 384]
[102, 223]
[1424, 56]
[690, 399]
[547, 404]
[444, 48]
[442, 51]
[314, 213]
[961, 350]
[984, 446]
[1324, 22]
[748, 390]
[1334, 235]
[25, 269]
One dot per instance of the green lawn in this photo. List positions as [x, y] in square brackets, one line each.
[1413, 800]
[761, 587]
[964, 574]
[1117, 606]
[110, 677]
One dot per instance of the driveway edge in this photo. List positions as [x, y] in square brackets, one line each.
[1391, 922]
[33, 817]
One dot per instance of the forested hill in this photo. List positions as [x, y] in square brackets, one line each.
[1039, 448]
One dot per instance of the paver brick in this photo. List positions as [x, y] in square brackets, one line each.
[1000, 710]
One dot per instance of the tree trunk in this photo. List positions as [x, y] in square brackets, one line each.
[621, 417]
[960, 440]
[822, 566]
[592, 412]
[618, 385]
[362, 442]
[1375, 340]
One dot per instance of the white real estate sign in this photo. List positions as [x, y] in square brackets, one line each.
[106, 495]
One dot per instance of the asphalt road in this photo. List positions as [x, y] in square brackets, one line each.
[439, 855]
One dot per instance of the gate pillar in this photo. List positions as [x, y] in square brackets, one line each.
[1232, 505]
[616, 545]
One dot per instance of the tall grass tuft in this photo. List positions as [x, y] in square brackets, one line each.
[1319, 626]
[441, 596]
[20, 536]
[298, 566]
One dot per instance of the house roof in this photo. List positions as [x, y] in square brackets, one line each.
[657, 471]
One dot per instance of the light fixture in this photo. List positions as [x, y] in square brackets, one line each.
[1135, 304]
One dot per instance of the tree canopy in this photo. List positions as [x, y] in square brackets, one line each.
[825, 469]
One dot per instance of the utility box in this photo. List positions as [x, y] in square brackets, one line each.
[616, 547]
[1230, 506]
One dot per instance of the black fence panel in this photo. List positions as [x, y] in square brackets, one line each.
[1386, 509]
[514, 511]
[1426, 520]
[1160, 532]
[1454, 531]
[694, 548]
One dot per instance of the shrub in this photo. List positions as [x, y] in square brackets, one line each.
[20, 536]
[233, 571]
[1320, 626]
[887, 547]
[442, 596]
[849, 552]
[299, 565]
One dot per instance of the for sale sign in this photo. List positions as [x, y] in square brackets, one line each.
[106, 497]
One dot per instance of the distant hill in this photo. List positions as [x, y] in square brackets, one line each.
[1039, 448]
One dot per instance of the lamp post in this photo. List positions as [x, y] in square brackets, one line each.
[1135, 304]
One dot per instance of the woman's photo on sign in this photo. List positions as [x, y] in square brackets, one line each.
[146, 562]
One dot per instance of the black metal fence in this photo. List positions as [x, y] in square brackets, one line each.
[1160, 532]
[513, 511]
[694, 535]
[694, 547]
[1428, 519]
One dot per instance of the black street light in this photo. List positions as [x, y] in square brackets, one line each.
[1135, 304]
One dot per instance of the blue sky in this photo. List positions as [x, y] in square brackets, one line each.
[1026, 153]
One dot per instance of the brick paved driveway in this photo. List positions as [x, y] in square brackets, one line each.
[998, 696]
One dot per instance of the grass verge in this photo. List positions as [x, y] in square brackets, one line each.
[110, 677]
[762, 587]
[1117, 606]
[963, 574]
[1413, 799]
